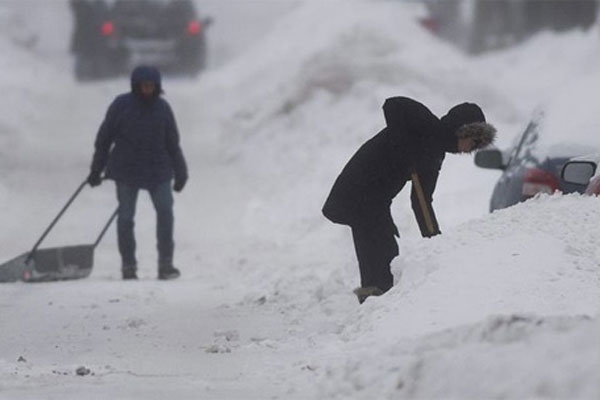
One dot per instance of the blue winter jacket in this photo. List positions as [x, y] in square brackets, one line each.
[138, 141]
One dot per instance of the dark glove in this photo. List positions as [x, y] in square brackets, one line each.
[179, 184]
[94, 179]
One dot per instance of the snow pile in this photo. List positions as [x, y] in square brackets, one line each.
[513, 356]
[505, 306]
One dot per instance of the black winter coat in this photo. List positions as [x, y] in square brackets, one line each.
[138, 141]
[414, 141]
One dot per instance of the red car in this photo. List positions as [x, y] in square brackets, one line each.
[564, 128]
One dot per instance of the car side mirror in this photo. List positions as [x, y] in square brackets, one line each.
[578, 172]
[490, 159]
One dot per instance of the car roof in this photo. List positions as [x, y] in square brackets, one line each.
[593, 157]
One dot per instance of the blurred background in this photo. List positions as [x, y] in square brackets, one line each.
[106, 37]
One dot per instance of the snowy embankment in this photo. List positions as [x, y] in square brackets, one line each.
[501, 305]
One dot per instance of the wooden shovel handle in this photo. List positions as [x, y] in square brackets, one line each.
[423, 203]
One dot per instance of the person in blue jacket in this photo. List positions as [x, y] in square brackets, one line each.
[138, 147]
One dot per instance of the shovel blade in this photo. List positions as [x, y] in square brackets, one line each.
[51, 264]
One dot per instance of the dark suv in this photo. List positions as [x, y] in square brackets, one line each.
[110, 38]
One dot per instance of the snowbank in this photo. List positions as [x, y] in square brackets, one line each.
[505, 306]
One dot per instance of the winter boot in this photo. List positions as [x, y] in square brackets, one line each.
[168, 271]
[129, 272]
[363, 292]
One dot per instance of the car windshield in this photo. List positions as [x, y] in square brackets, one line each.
[134, 7]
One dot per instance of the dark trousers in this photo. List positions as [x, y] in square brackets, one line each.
[376, 247]
[162, 199]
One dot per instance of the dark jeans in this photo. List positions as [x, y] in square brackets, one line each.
[375, 247]
[162, 198]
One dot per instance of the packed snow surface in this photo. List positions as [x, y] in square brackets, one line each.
[501, 305]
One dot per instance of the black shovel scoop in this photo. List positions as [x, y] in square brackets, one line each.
[54, 263]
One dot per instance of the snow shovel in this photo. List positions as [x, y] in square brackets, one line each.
[55, 263]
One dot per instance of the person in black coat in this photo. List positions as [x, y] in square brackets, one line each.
[411, 147]
[137, 146]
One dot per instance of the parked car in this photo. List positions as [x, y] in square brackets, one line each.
[111, 38]
[583, 171]
[565, 127]
[480, 25]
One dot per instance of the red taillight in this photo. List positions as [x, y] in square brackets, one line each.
[108, 28]
[539, 181]
[194, 28]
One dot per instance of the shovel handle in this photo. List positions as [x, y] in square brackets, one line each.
[110, 220]
[49, 228]
[423, 203]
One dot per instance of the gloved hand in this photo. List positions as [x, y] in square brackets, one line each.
[94, 179]
[179, 183]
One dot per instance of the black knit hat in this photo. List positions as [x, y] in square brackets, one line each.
[462, 114]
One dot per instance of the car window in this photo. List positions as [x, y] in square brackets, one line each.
[171, 14]
[133, 6]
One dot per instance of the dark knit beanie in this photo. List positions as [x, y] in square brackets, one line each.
[462, 114]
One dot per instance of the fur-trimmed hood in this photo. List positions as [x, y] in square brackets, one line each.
[482, 134]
